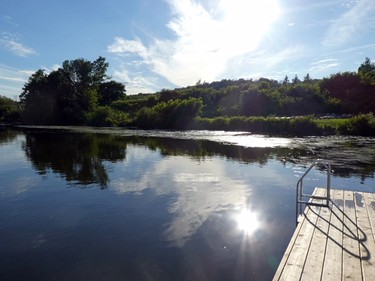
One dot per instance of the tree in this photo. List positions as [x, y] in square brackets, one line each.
[256, 103]
[286, 80]
[9, 110]
[348, 88]
[366, 72]
[307, 78]
[37, 100]
[66, 95]
[295, 79]
[110, 91]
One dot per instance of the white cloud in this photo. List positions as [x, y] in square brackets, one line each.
[350, 23]
[206, 39]
[324, 64]
[17, 48]
[49, 69]
[12, 80]
[136, 83]
[11, 42]
[127, 46]
[121, 75]
[359, 48]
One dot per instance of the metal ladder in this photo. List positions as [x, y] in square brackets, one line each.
[307, 199]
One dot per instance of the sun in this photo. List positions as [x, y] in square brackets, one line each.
[253, 12]
[246, 22]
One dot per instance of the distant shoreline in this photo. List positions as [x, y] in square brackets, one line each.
[359, 125]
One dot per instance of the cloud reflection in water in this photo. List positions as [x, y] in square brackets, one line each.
[199, 191]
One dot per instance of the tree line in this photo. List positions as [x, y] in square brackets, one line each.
[81, 93]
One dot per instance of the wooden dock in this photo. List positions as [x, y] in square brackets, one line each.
[336, 243]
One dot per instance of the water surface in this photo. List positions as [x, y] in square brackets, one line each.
[89, 204]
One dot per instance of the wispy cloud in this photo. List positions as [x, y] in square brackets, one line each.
[12, 80]
[8, 20]
[351, 22]
[121, 46]
[11, 42]
[136, 82]
[322, 65]
[206, 38]
[49, 69]
[265, 62]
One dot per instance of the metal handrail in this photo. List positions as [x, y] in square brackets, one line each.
[300, 195]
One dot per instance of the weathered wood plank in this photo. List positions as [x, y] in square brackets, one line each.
[368, 246]
[293, 266]
[351, 256]
[332, 269]
[370, 204]
[312, 269]
[288, 250]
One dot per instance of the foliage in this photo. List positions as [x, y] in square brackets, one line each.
[299, 126]
[352, 95]
[363, 125]
[80, 92]
[366, 72]
[9, 110]
[134, 104]
[109, 92]
[106, 116]
[65, 96]
[174, 114]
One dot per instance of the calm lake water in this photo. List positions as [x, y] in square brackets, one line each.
[90, 204]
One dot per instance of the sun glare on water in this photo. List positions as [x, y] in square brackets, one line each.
[247, 221]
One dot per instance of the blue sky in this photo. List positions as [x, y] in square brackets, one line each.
[156, 44]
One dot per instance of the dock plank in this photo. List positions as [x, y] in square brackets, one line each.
[288, 252]
[315, 256]
[332, 268]
[370, 204]
[293, 264]
[352, 268]
[367, 248]
[335, 243]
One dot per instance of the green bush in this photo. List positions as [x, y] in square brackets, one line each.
[363, 125]
[106, 116]
[174, 114]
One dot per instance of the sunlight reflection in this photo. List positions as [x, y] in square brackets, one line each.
[247, 221]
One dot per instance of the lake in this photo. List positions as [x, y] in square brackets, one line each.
[110, 204]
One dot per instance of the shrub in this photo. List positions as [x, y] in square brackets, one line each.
[106, 116]
[363, 125]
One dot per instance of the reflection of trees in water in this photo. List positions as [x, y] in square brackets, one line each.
[351, 157]
[80, 156]
[348, 156]
[7, 135]
[199, 149]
